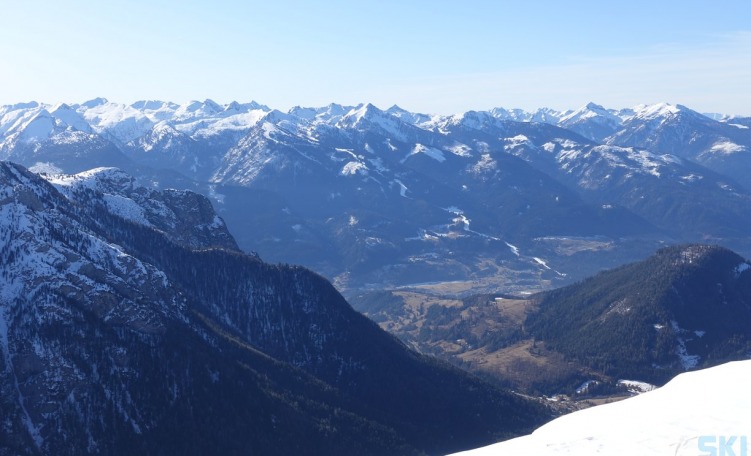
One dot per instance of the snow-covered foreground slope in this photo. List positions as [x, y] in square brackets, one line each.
[698, 413]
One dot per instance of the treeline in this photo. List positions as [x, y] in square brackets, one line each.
[631, 321]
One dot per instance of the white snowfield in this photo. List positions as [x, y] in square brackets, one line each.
[705, 412]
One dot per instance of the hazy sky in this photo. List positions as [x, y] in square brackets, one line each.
[431, 56]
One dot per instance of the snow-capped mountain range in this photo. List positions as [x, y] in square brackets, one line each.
[362, 194]
[126, 124]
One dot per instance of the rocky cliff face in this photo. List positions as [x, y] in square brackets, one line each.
[126, 327]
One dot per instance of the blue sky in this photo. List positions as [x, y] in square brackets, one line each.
[430, 56]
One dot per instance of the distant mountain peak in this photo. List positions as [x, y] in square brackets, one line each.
[38, 128]
[274, 116]
[395, 109]
[592, 121]
[27, 105]
[213, 105]
[662, 109]
[93, 103]
[191, 106]
[61, 107]
[547, 115]
[329, 114]
[338, 108]
[365, 109]
[476, 120]
[413, 118]
[362, 111]
[515, 114]
[591, 108]
[233, 106]
[70, 117]
[149, 104]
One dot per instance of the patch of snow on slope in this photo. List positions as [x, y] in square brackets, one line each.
[217, 222]
[584, 387]
[423, 235]
[566, 143]
[268, 130]
[378, 165]
[516, 141]
[687, 361]
[637, 387]
[484, 165]
[462, 220]
[692, 178]
[541, 262]
[514, 249]
[664, 422]
[213, 194]
[741, 268]
[349, 152]
[433, 153]
[646, 160]
[727, 148]
[126, 208]
[352, 168]
[402, 188]
[461, 150]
